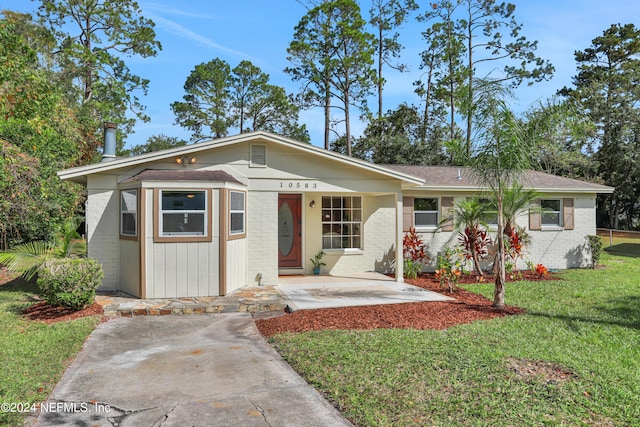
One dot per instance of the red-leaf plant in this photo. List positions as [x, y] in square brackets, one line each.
[475, 245]
[415, 253]
[541, 271]
[517, 241]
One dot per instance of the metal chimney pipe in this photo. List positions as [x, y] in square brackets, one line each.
[109, 147]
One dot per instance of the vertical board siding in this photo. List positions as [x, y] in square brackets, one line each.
[129, 267]
[183, 270]
[236, 264]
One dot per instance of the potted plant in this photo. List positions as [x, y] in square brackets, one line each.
[317, 263]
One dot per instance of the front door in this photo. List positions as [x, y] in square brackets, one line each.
[290, 231]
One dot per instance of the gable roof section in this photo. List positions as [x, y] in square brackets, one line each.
[453, 178]
[79, 174]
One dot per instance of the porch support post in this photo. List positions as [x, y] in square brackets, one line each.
[399, 238]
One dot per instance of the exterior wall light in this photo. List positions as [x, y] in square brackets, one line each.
[312, 204]
[185, 160]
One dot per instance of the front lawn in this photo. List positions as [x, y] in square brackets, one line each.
[572, 359]
[33, 355]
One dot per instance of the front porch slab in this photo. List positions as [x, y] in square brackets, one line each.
[313, 292]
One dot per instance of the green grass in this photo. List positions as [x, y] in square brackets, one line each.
[33, 355]
[587, 325]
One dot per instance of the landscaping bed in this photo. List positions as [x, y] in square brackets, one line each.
[466, 308]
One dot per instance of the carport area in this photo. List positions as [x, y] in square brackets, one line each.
[326, 291]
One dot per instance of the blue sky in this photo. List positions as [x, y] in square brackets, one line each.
[196, 31]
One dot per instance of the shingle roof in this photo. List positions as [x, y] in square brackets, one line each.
[464, 178]
[182, 175]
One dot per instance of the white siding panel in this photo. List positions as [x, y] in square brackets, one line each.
[201, 276]
[184, 270]
[129, 267]
[189, 255]
[237, 265]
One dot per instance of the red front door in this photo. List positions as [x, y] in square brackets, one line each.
[289, 231]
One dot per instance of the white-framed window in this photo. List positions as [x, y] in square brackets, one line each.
[129, 213]
[491, 213]
[551, 212]
[425, 212]
[183, 213]
[341, 222]
[236, 212]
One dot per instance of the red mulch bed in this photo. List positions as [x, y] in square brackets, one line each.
[43, 311]
[467, 307]
[47, 313]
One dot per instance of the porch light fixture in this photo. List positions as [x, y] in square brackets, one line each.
[312, 204]
[185, 160]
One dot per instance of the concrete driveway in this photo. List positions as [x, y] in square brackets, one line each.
[183, 370]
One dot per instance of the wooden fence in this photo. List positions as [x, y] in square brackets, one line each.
[606, 232]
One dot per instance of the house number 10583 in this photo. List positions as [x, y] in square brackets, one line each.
[296, 185]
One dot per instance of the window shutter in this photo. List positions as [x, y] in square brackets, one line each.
[535, 220]
[407, 213]
[446, 207]
[567, 212]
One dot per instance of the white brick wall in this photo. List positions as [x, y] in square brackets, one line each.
[379, 238]
[262, 237]
[560, 249]
[102, 216]
[554, 248]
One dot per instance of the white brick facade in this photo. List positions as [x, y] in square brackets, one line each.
[289, 166]
[102, 220]
[262, 237]
[554, 247]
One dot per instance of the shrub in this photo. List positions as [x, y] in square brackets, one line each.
[414, 250]
[595, 248]
[70, 282]
[541, 271]
[449, 267]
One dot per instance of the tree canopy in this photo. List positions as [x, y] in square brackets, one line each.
[606, 87]
[39, 134]
[332, 55]
[218, 98]
[93, 38]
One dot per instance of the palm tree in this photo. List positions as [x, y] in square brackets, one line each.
[27, 258]
[469, 219]
[499, 161]
[516, 200]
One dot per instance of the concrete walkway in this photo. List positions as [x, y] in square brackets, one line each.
[183, 370]
[292, 293]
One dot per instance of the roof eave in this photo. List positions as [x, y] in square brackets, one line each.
[460, 189]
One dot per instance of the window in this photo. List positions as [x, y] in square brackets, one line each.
[183, 213]
[129, 213]
[236, 212]
[491, 213]
[341, 222]
[551, 212]
[425, 212]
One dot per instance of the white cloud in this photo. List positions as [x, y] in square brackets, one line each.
[177, 29]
